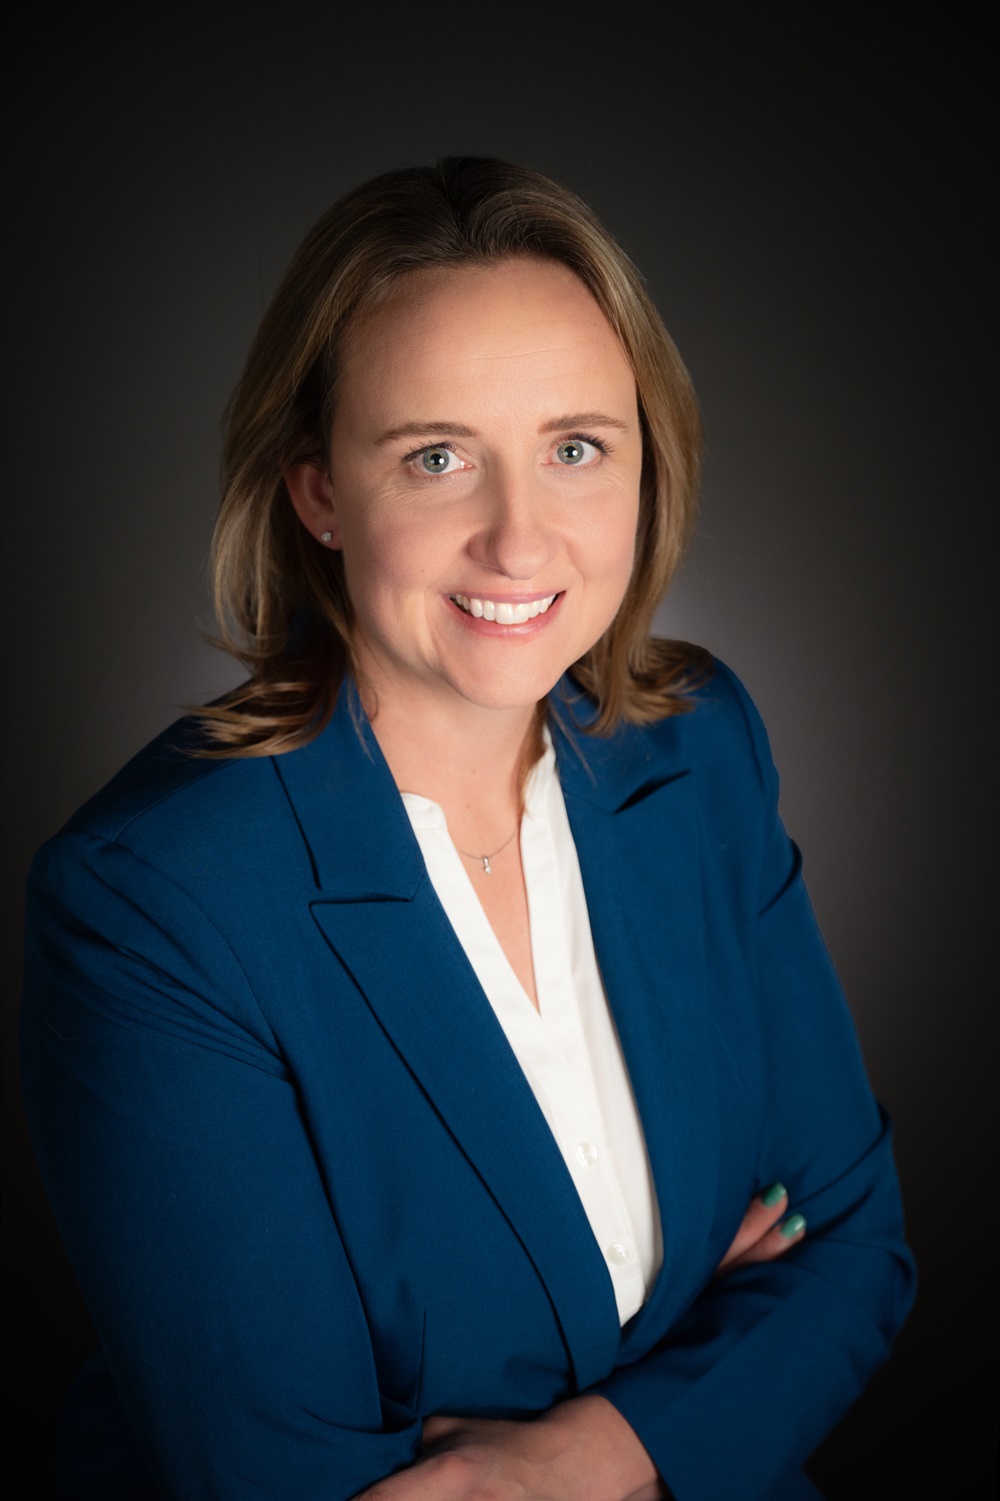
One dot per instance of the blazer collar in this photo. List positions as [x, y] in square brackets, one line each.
[344, 798]
[641, 862]
[633, 810]
[351, 817]
[607, 771]
[633, 803]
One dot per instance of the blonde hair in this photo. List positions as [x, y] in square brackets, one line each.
[281, 598]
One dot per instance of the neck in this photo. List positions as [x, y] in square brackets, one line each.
[479, 752]
[466, 758]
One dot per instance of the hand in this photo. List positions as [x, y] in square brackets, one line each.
[760, 1236]
[581, 1450]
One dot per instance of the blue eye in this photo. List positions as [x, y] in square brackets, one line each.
[436, 460]
[576, 451]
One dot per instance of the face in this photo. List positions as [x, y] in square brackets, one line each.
[483, 485]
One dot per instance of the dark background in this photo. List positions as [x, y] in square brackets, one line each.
[806, 194]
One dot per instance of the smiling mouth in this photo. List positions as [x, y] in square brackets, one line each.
[502, 611]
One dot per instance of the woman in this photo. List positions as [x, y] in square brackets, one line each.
[407, 1033]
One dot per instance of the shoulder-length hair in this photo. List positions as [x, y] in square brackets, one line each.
[281, 597]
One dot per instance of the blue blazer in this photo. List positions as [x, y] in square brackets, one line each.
[307, 1191]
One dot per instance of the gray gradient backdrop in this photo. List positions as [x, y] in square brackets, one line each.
[807, 199]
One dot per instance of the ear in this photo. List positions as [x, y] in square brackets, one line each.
[311, 494]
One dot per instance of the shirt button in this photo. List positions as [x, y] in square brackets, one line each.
[617, 1254]
[586, 1154]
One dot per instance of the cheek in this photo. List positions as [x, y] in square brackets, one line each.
[614, 540]
[618, 555]
[384, 562]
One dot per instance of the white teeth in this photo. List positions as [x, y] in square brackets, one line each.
[503, 613]
[513, 614]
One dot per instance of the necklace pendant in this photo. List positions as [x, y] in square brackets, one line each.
[487, 867]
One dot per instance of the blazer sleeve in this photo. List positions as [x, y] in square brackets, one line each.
[769, 1358]
[187, 1193]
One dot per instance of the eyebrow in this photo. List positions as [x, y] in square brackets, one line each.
[448, 429]
[584, 419]
[424, 430]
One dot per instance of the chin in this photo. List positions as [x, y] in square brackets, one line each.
[508, 691]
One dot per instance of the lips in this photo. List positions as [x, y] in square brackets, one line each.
[503, 611]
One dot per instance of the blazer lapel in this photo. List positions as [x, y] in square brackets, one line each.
[380, 914]
[634, 817]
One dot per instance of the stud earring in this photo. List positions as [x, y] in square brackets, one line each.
[326, 536]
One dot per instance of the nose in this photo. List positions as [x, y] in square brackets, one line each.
[515, 535]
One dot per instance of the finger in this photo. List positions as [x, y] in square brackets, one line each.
[765, 1209]
[774, 1244]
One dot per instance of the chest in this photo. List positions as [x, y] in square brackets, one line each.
[472, 1253]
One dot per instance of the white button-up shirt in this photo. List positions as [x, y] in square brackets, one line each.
[568, 1048]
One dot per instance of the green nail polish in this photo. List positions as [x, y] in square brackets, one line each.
[792, 1226]
[773, 1195]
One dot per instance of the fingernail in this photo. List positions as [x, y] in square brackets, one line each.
[793, 1226]
[773, 1195]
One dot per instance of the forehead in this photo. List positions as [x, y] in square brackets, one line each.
[519, 324]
